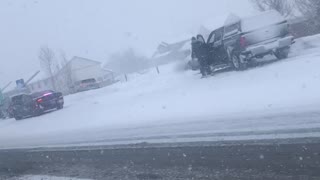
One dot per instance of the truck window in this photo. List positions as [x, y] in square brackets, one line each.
[218, 35]
[201, 38]
[211, 38]
[232, 29]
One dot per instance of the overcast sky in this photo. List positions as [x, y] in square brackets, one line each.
[96, 28]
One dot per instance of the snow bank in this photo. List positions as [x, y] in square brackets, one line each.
[306, 46]
[175, 102]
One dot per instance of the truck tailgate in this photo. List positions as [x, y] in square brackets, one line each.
[266, 33]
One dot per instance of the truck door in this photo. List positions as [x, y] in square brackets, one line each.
[217, 51]
[220, 54]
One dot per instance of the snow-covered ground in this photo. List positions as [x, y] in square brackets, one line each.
[277, 100]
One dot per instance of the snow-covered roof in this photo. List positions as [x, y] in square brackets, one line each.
[169, 48]
[77, 58]
[107, 70]
[75, 62]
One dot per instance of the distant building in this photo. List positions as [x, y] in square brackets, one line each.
[167, 53]
[77, 69]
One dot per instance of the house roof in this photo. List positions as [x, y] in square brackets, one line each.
[83, 59]
[41, 76]
[107, 70]
[165, 48]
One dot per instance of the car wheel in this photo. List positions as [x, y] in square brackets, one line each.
[282, 53]
[38, 112]
[237, 63]
[59, 106]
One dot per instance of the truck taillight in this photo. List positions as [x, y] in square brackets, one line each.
[243, 42]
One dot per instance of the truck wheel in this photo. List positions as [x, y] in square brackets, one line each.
[238, 64]
[17, 118]
[282, 53]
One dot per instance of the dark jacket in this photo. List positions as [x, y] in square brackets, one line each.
[201, 50]
[194, 43]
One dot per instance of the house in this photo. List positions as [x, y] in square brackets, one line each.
[167, 53]
[77, 69]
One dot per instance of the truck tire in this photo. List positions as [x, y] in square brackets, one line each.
[237, 64]
[17, 118]
[282, 53]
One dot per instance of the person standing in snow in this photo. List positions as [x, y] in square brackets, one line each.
[193, 46]
[194, 63]
[201, 51]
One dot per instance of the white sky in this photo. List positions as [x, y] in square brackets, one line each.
[96, 28]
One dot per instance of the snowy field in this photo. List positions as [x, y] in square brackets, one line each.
[277, 100]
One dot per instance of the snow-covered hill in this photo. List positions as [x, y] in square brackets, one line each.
[278, 98]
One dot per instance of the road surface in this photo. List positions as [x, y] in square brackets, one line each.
[267, 159]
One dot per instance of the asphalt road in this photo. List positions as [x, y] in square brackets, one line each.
[269, 159]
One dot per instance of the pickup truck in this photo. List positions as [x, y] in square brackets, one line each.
[241, 40]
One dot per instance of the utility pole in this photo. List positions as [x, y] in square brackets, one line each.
[1, 98]
[1, 92]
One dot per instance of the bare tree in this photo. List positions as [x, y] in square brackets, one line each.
[48, 63]
[66, 71]
[284, 7]
[310, 9]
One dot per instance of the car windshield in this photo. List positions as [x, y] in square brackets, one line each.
[160, 89]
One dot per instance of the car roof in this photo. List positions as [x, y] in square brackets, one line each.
[38, 94]
[17, 95]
